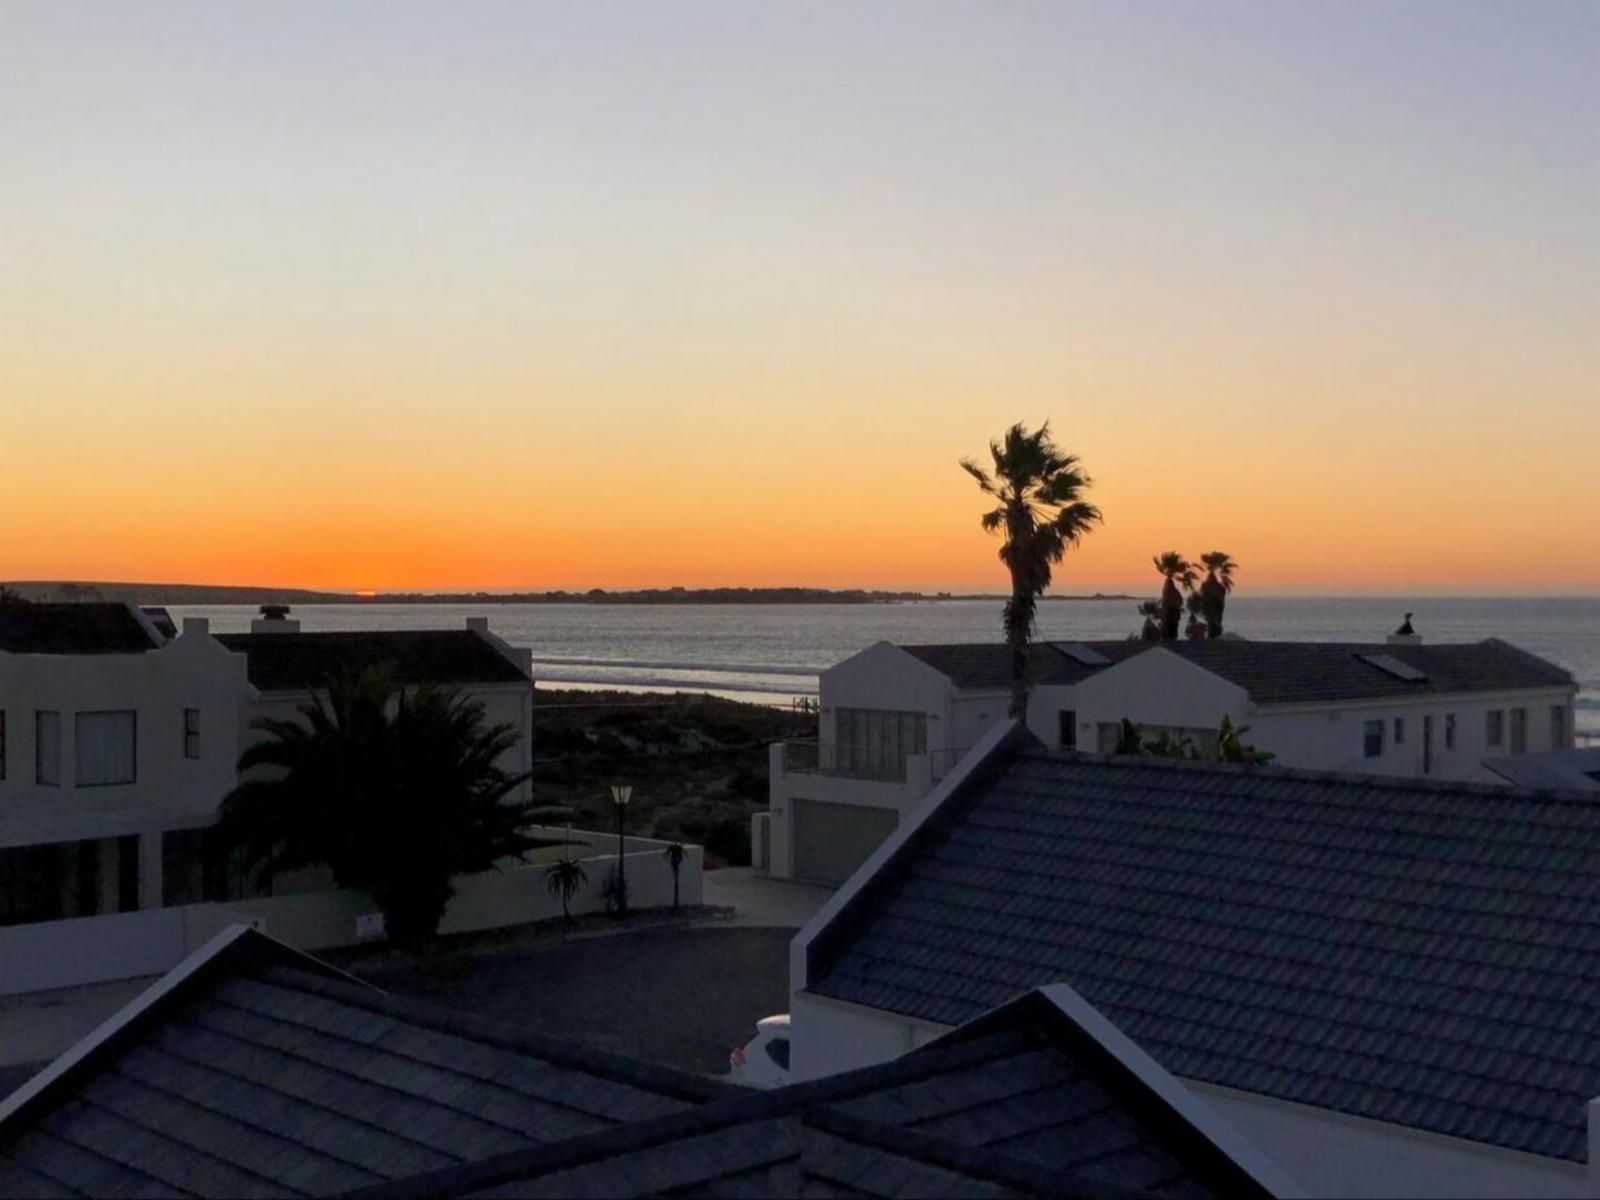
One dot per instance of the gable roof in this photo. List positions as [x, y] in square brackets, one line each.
[1038, 1098]
[1407, 951]
[255, 1070]
[1271, 672]
[73, 629]
[1577, 769]
[287, 662]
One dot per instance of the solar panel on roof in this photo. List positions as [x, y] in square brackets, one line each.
[1088, 656]
[1400, 670]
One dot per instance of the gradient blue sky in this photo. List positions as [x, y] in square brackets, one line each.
[627, 294]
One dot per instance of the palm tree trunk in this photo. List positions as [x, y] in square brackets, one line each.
[1019, 627]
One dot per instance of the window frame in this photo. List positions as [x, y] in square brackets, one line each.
[1519, 731]
[1494, 727]
[133, 747]
[1399, 731]
[1067, 731]
[1372, 737]
[39, 715]
[1558, 732]
[1449, 731]
[191, 733]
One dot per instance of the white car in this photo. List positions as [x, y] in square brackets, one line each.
[763, 1061]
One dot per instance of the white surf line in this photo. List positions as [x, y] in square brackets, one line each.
[556, 660]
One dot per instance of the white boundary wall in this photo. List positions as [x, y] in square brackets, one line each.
[84, 950]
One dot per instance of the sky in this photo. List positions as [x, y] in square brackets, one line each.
[506, 295]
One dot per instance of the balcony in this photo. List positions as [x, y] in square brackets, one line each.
[865, 763]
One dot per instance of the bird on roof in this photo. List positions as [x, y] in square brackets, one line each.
[1405, 629]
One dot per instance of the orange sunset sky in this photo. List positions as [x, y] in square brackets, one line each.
[525, 296]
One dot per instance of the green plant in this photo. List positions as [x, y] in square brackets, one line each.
[1231, 746]
[564, 879]
[1129, 740]
[1041, 513]
[396, 792]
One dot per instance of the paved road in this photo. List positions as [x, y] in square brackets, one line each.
[678, 996]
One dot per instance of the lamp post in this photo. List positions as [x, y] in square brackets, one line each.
[620, 795]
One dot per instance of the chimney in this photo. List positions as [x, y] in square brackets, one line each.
[1405, 635]
[274, 618]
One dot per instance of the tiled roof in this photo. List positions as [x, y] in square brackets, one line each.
[1025, 1101]
[253, 1077]
[1577, 769]
[282, 662]
[1412, 952]
[72, 629]
[1274, 672]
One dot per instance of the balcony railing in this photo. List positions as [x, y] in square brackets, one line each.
[861, 762]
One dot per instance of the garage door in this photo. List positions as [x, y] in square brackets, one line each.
[832, 840]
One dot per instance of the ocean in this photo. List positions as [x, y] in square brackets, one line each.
[772, 653]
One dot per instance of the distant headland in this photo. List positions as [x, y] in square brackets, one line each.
[200, 593]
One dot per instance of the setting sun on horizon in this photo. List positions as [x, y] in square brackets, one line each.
[404, 297]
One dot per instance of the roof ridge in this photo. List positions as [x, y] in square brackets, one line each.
[1403, 783]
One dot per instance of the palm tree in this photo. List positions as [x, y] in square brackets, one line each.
[564, 878]
[1150, 631]
[1040, 511]
[675, 854]
[1214, 591]
[1194, 629]
[1176, 570]
[1232, 748]
[395, 792]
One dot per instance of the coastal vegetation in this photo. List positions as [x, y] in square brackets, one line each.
[1040, 511]
[1183, 591]
[394, 792]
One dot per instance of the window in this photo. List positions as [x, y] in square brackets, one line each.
[1519, 731]
[1399, 731]
[1372, 739]
[1068, 734]
[1558, 733]
[1494, 727]
[47, 748]
[1449, 731]
[105, 748]
[191, 733]
[778, 1051]
[874, 743]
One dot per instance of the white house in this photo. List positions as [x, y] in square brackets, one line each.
[894, 719]
[1384, 984]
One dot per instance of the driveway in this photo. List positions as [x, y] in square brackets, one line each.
[681, 996]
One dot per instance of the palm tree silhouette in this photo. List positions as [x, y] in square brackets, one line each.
[1040, 511]
[1214, 591]
[675, 854]
[1176, 570]
[396, 792]
[564, 878]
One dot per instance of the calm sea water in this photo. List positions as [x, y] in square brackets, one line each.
[773, 653]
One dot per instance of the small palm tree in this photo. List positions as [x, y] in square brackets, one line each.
[564, 879]
[675, 854]
[1232, 748]
[1214, 591]
[1041, 513]
[1176, 571]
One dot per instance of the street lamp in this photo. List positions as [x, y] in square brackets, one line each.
[620, 795]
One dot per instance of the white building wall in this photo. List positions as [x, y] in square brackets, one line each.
[1332, 737]
[1149, 689]
[169, 790]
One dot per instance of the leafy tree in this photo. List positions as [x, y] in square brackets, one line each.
[1176, 571]
[675, 854]
[1214, 590]
[564, 879]
[1041, 513]
[396, 792]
